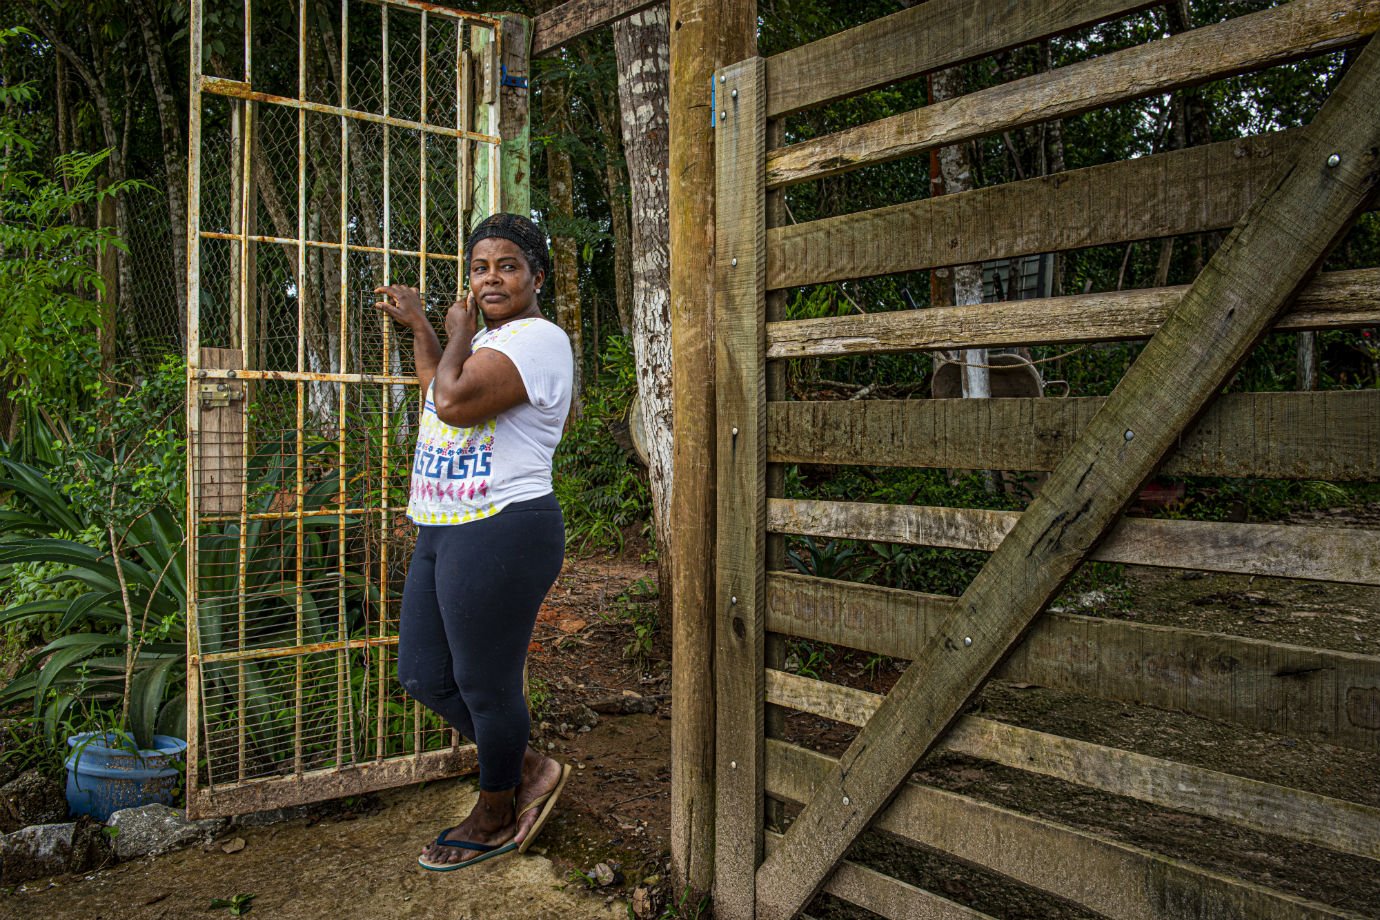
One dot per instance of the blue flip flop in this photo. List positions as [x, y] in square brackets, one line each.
[485, 851]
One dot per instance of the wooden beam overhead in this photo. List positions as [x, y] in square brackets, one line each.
[575, 18]
[928, 36]
[1311, 200]
[1271, 37]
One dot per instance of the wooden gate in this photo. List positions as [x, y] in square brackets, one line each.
[356, 156]
[1289, 196]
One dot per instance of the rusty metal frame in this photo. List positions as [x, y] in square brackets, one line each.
[355, 770]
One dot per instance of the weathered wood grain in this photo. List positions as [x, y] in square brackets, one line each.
[575, 18]
[1335, 300]
[707, 35]
[1268, 38]
[1347, 827]
[886, 896]
[220, 469]
[1182, 191]
[1321, 435]
[926, 37]
[1311, 201]
[1348, 555]
[514, 118]
[1289, 690]
[740, 385]
[1117, 880]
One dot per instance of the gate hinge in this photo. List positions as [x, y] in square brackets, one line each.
[713, 117]
[218, 395]
[509, 80]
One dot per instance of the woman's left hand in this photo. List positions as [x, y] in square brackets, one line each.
[462, 319]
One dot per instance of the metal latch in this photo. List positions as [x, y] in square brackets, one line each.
[218, 395]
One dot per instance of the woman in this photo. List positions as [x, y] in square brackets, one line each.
[491, 539]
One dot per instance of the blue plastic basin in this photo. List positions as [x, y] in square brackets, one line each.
[103, 778]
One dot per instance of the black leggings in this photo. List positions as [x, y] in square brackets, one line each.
[471, 599]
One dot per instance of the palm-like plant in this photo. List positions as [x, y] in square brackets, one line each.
[87, 662]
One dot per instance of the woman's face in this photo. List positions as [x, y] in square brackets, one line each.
[503, 283]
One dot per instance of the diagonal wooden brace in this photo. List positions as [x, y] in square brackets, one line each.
[1269, 257]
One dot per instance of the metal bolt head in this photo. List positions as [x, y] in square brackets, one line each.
[734, 94]
[847, 801]
[735, 431]
[723, 115]
[722, 78]
[1332, 162]
[1130, 435]
[733, 764]
[734, 263]
[967, 641]
[733, 599]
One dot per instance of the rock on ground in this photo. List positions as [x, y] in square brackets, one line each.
[31, 798]
[152, 829]
[51, 849]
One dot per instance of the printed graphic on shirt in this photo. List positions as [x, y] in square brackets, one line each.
[451, 471]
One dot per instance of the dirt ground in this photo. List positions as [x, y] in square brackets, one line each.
[360, 861]
[616, 810]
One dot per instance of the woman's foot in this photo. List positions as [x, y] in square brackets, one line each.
[492, 821]
[540, 775]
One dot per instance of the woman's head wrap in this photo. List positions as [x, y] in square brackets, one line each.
[516, 229]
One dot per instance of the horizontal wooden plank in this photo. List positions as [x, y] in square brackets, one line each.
[1285, 689]
[1346, 827]
[886, 896]
[1182, 191]
[1325, 435]
[575, 18]
[1346, 555]
[1117, 880]
[1264, 39]
[1336, 300]
[926, 37]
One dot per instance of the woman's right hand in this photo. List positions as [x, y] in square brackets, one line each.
[403, 304]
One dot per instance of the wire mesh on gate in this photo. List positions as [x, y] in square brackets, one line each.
[357, 160]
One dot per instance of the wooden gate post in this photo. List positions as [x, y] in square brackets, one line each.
[705, 35]
[1275, 249]
[740, 276]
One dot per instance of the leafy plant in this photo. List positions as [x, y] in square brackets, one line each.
[601, 489]
[48, 281]
[238, 906]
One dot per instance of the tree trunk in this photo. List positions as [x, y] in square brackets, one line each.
[642, 43]
[565, 266]
[608, 110]
[170, 115]
[957, 171]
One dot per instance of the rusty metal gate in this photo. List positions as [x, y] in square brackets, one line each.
[1290, 196]
[336, 145]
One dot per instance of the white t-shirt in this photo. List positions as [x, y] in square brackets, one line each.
[466, 474]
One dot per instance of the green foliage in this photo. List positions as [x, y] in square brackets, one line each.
[601, 489]
[49, 287]
[238, 906]
[636, 608]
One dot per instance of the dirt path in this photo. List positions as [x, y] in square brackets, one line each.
[360, 866]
